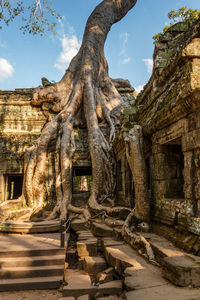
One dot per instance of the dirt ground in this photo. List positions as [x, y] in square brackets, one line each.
[31, 295]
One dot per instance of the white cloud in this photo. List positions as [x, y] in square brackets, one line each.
[124, 41]
[6, 69]
[125, 60]
[149, 63]
[70, 47]
[139, 88]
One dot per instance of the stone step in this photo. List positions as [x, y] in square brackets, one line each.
[37, 283]
[180, 268]
[94, 265]
[120, 256]
[27, 272]
[148, 277]
[32, 261]
[83, 297]
[79, 225]
[101, 230]
[14, 214]
[32, 252]
[81, 285]
[29, 227]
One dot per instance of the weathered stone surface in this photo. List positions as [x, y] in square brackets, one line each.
[111, 288]
[85, 235]
[120, 257]
[192, 50]
[105, 276]
[114, 297]
[78, 225]
[166, 292]
[84, 297]
[94, 265]
[141, 279]
[78, 286]
[87, 248]
[182, 270]
[101, 230]
[67, 298]
[81, 285]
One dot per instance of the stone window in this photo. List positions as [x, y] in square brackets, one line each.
[82, 179]
[13, 186]
[174, 164]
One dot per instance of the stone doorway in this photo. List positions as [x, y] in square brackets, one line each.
[82, 179]
[13, 186]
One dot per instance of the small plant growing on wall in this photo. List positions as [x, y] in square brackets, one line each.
[183, 14]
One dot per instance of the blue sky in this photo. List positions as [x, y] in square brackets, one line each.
[24, 60]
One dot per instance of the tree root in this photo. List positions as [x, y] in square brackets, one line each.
[136, 240]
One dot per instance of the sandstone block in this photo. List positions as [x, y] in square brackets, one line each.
[105, 276]
[94, 265]
[102, 230]
[120, 257]
[142, 279]
[84, 297]
[182, 270]
[78, 225]
[87, 248]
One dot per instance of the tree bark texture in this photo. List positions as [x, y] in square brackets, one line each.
[135, 157]
[86, 93]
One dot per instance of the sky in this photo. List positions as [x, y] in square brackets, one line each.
[25, 59]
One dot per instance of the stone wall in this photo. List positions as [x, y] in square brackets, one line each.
[168, 109]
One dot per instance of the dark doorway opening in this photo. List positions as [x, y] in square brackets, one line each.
[82, 179]
[174, 171]
[14, 184]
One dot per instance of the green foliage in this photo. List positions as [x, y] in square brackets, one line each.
[37, 16]
[181, 15]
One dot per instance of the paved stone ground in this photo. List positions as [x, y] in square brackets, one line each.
[31, 295]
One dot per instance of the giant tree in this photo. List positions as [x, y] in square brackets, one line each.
[87, 94]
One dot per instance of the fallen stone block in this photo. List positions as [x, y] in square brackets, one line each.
[101, 230]
[105, 276]
[94, 265]
[121, 257]
[79, 225]
[143, 278]
[87, 247]
[111, 288]
[182, 270]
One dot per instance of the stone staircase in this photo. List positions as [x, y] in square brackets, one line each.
[26, 268]
[108, 268]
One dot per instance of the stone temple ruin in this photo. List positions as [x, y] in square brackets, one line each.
[168, 111]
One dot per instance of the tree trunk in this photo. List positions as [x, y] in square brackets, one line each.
[135, 157]
[86, 86]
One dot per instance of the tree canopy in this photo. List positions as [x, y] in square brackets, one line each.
[37, 17]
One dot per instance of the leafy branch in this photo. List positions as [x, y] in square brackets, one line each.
[37, 16]
[181, 15]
